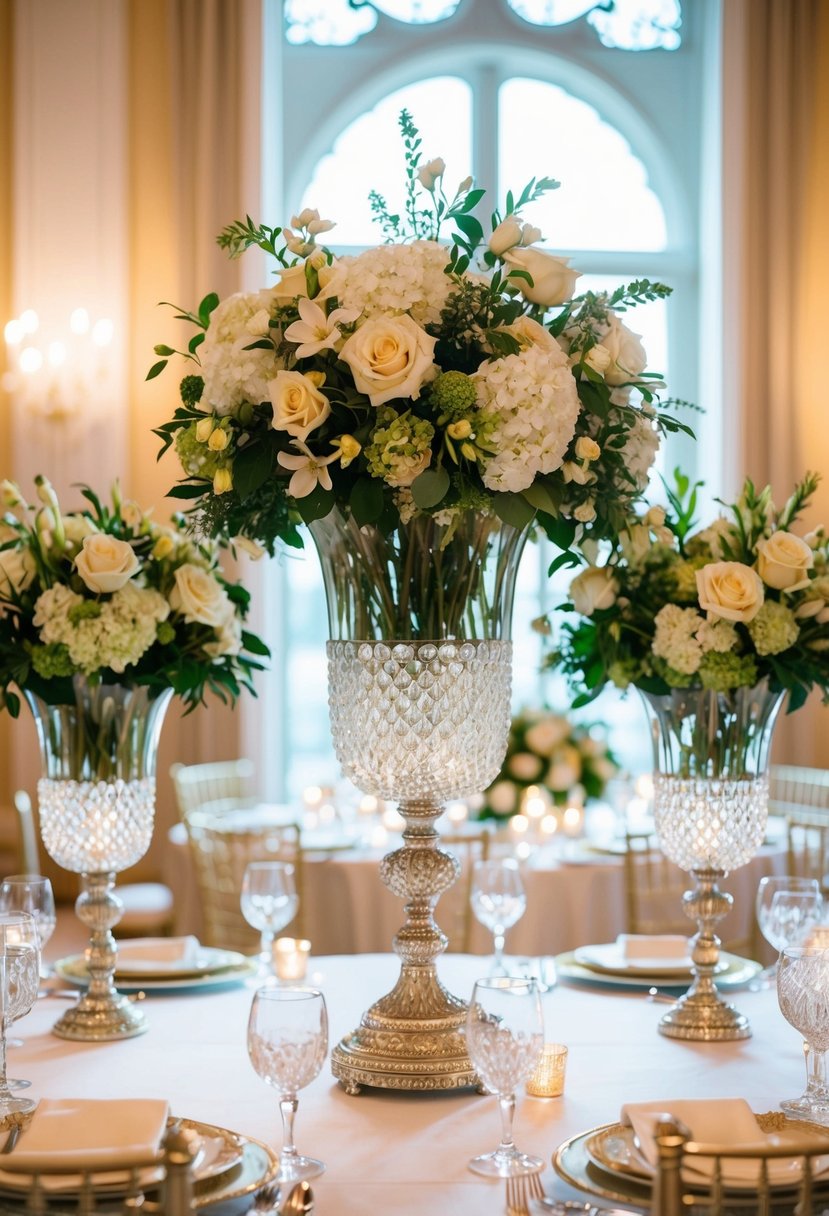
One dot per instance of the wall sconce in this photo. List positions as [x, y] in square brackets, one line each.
[58, 375]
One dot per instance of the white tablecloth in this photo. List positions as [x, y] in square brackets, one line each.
[387, 1152]
[570, 902]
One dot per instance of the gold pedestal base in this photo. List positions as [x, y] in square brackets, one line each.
[411, 1039]
[704, 1018]
[101, 1020]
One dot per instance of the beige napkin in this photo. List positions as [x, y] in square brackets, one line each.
[158, 953]
[77, 1133]
[721, 1121]
[666, 947]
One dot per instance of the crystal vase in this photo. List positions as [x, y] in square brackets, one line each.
[97, 805]
[711, 794]
[419, 670]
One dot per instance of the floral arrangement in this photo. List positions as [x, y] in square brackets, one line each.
[743, 600]
[548, 751]
[418, 377]
[107, 593]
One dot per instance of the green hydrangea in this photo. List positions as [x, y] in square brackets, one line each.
[165, 632]
[400, 448]
[453, 396]
[196, 458]
[683, 581]
[722, 672]
[774, 628]
[85, 611]
[191, 389]
[672, 677]
[52, 660]
[623, 672]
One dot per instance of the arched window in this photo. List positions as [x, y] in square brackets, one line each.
[505, 90]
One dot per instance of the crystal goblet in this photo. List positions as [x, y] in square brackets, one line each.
[287, 1045]
[498, 901]
[769, 924]
[19, 981]
[803, 995]
[505, 1036]
[269, 902]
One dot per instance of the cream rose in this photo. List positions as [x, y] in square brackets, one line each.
[292, 283]
[17, 569]
[784, 561]
[198, 597]
[552, 279]
[507, 234]
[390, 357]
[627, 354]
[730, 590]
[105, 563]
[298, 404]
[595, 588]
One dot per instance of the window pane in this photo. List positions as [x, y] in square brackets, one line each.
[368, 155]
[604, 201]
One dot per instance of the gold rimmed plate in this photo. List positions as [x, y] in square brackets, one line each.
[735, 973]
[72, 970]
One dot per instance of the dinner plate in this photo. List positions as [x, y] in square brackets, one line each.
[208, 961]
[72, 970]
[735, 973]
[609, 957]
[227, 1165]
[585, 1162]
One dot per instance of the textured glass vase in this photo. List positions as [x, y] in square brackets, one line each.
[419, 670]
[97, 806]
[711, 795]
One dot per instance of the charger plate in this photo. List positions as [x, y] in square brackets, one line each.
[238, 1168]
[736, 973]
[605, 1162]
[72, 970]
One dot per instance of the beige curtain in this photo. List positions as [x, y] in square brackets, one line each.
[782, 48]
[194, 103]
[6, 94]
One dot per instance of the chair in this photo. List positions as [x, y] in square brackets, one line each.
[673, 1197]
[230, 781]
[221, 847]
[148, 906]
[801, 796]
[654, 888]
[468, 849]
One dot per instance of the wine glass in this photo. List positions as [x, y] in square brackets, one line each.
[803, 996]
[771, 928]
[19, 982]
[498, 902]
[31, 893]
[505, 1037]
[287, 1045]
[269, 902]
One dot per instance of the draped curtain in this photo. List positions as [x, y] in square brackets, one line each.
[6, 153]
[777, 162]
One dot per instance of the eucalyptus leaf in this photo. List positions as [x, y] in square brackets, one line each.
[430, 488]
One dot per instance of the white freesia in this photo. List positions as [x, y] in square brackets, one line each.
[309, 470]
[106, 563]
[315, 331]
[390, 357]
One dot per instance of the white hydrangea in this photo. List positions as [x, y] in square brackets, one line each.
[117, 638]
[233, 375]
[394, 279]
[674, 639]
[531, 403]
[719, 636]
[639, 452]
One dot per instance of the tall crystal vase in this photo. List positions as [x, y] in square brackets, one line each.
[419, 669]
[97, 804]
[711, 794]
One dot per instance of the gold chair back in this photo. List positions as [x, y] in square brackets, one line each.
[221, 846]
[654, 888]
[801, 795]
[29, 852]
[228, 781]
[468, 849]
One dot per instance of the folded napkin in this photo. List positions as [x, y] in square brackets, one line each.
[726, 1122]
[76, 1134]
[665, 946]
[151, 953]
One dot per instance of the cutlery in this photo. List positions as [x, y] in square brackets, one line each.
[11, 1139]
[300, 1200]
[654, 994]
[267, 1201]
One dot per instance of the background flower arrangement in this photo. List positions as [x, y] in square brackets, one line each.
[548, 751]
[106, 593]
[743, 600]
[417, 377]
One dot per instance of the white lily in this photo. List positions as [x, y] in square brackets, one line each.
[315, 331]
[309, 470]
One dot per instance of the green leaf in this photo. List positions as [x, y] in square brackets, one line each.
[513, 509]
[430, 488]
[538, 496]
[315, 505]
[207, 305]
[156, 369]
[195, 342]
[470, 227]
[366, 500]
[559, 531]
[189, 489]
[163, 350]
[254, 645]
[567, 558]
[252, 465]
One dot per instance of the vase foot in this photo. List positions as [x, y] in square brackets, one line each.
[101, 1019]
[704, 1019]
[412, 1039]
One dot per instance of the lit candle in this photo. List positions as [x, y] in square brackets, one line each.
[290, 958]
[518, 825]
[573, 821]
[549, 825]
[644, 786]
[312, 797]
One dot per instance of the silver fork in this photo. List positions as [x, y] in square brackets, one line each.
[267, 1200]
[516, 1198]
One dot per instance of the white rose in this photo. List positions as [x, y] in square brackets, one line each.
[502, 797]
[259, 324]
[390, 357]
[784, 561]
[562, 776]
[507, 234]
[635, 542]
[730, 590]
[198, 597]
[298, 404]
[292, 283]
[594, 589]
[17, 569]
[105, 563]
[528, 332]
[552, 279]
[525, 766]
[228, 639]
[599, 358]
[627, 354]
[429, 173]
[545, 736]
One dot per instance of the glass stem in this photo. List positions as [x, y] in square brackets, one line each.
[287, 1107]
[499, 937]
[815, 1071]
[266, 948]
[5, 1092]
[506, 1104]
